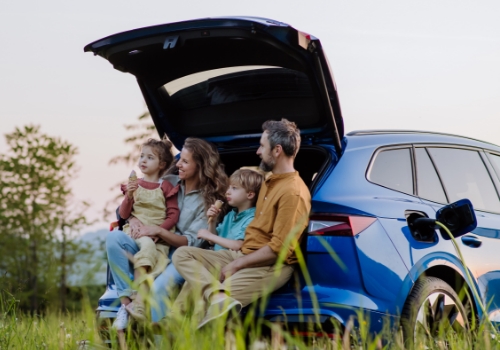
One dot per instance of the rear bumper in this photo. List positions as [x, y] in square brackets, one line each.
[341, 307]
[334, 315]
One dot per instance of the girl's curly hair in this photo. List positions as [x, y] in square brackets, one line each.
[163, 150]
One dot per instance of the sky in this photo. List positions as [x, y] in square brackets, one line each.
[421, 65]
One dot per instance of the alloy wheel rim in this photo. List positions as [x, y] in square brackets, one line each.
[437, 315]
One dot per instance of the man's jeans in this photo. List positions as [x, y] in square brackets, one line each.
[118, 246]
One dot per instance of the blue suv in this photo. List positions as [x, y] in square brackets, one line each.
[221, 78]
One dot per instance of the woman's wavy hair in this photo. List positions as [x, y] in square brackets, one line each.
[213, 179]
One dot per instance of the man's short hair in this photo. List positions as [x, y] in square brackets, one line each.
[249, 180]
[284, 133]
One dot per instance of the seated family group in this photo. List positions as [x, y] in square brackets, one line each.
[171, 218]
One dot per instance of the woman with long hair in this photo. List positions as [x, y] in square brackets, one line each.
[213, 181]
[200, 176]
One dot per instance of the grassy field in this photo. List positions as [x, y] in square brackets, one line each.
[80, 331]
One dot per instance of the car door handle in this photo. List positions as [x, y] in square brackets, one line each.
[471, 241]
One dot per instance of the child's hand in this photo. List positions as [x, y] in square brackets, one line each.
[213, 211]
[131, 188]
[205, 234]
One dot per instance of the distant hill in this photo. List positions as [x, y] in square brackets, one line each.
[94, 271]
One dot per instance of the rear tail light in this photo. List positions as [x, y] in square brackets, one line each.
[338, 225]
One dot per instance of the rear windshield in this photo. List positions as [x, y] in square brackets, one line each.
[240, 99]
[201, 77]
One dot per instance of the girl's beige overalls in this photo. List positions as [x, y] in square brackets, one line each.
[149, 207]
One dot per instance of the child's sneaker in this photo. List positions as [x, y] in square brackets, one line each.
[121, 320]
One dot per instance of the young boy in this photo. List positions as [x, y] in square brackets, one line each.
[241, 195]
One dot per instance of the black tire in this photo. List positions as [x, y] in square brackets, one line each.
[432, 312]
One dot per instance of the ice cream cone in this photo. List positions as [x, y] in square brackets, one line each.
[132, 176]
[218, 204]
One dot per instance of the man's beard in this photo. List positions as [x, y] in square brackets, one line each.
[269, 165]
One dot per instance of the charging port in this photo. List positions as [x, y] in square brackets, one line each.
[421, 227]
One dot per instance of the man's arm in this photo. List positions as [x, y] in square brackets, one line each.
[262, 257]
[291, 220]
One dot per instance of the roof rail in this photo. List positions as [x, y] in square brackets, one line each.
[395, 131]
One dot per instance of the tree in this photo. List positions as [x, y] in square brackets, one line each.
[35, 197]
[142, 130]
[71, 253]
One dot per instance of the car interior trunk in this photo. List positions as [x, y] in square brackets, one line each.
[310, 161]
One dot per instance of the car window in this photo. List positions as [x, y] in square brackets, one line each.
[201, 77]
[428, 183]
[393, 169]
[237, 100]
[495, 160]
[231, 85]
[464, 175]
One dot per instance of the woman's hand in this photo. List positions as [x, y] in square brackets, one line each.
[213, 211]
[131, 188]
[149, 231]
[134, 224]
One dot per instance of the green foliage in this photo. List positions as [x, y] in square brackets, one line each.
[141, 131]
[55, 330]
[37, 214]
[35, 179]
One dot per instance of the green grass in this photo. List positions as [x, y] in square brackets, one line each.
[52, 330]
[68, 331]
[80, 330]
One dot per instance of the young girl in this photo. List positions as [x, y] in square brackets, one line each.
[154, 202]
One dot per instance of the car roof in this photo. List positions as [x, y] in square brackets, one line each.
[378, 138]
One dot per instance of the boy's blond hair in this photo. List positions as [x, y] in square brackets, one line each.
[248, 179]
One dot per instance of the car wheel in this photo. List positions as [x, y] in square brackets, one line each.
[432, 313]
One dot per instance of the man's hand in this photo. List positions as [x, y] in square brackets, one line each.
[134, 224]
[131, 188]
[229, 270]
